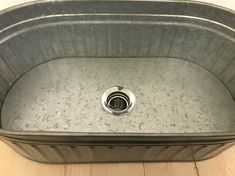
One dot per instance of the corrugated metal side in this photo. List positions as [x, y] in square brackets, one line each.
[116, 153]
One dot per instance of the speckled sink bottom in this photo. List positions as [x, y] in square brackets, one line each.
[173, 96]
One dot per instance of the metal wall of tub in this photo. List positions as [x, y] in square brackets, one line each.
[62, 153]
[47, 40]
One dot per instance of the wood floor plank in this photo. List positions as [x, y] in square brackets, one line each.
[6, 4]
[12, 164]
[221, 165]
[170, 169]
[123, 169]
[77, 170]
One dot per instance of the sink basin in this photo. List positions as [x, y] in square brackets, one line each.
[109, 81]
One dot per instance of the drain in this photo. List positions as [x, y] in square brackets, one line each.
[118, 101]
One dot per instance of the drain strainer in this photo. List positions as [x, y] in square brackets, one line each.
[118, 100]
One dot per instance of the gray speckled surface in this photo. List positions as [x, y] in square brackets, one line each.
[173, 96]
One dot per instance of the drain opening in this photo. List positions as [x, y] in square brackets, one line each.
[118, 101]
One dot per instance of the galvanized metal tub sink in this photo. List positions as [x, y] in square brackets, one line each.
[109, 81]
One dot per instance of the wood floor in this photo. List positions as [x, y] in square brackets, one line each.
[12, 164]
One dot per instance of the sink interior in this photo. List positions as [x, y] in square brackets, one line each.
[173, 96]
[55, 68]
